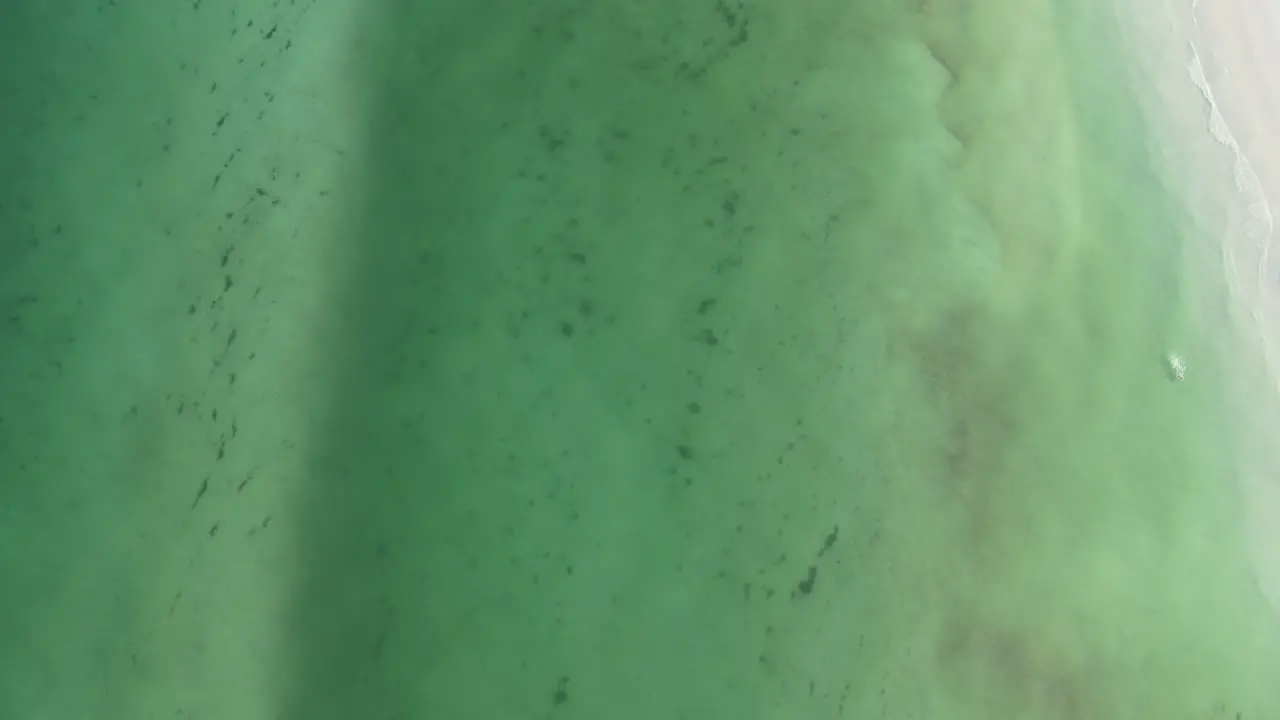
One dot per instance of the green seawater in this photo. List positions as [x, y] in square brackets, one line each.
[655, 360]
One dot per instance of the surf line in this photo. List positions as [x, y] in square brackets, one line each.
[1246, 180]
[1248, 184]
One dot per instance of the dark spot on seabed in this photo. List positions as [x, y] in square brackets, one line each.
[561, 694]
[829, 541]
[805, 587]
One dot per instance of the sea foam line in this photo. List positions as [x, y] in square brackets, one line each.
[1247, 183]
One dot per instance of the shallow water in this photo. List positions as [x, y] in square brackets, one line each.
[568, 359]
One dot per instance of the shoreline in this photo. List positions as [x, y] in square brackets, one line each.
[1234, 44]
[1202, 68]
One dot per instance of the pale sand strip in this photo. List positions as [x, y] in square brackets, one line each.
[1238, 45]
[1216, 69]
[1233, 43]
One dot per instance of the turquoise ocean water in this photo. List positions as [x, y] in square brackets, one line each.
[611, 360]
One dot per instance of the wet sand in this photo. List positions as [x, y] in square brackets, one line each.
[1235, 44]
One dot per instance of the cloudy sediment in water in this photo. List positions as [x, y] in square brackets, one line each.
[635, 360]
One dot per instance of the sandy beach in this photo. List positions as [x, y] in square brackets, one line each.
[1237, 45]
[1204, 70]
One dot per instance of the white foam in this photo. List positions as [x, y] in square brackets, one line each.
[1260, 226]
[1261, 481]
